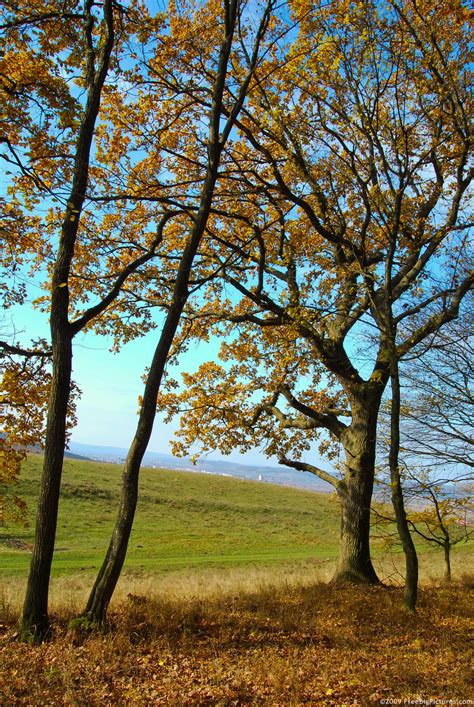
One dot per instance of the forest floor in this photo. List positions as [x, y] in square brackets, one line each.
[225, 600]
[283, 645]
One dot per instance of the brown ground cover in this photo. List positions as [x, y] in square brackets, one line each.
[318, 645]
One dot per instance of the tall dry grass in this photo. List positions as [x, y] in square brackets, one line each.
[68, 593]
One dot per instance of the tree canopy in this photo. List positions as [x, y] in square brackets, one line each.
[352, 166]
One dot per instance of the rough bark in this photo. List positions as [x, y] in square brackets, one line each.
[355, 494]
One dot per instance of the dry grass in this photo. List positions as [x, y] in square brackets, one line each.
[248, 639]
[68, 593]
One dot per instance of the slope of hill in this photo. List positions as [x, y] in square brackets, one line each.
[183, 520]
[271, 474]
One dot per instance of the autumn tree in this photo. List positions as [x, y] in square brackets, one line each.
[24, 395]
[352, 167]
[203, 72]
[67, 74]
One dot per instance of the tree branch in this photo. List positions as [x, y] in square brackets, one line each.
[304, 466]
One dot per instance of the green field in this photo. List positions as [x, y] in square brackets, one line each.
[191, 521]
[184, 520]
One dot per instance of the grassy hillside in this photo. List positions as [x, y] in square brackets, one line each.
[194, 522]
[183, 520]
[222, 603]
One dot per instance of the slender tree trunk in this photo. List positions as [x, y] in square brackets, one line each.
[104, 586]
[447, 560]
[35, 621]
[106, 581]
[355, 494]
[411, 558]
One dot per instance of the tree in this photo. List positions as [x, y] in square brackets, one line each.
[30, 75]
[353, 167]
[436, 435]
[25, 386]
[445, 520]
[63, 71]
[439, 511]
[438, 409]
[214, 60]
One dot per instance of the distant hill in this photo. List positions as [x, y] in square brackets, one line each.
[269, 474]
[72, 455]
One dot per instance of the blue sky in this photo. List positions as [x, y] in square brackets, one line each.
[112, 382]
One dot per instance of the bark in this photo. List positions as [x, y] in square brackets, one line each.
[355, 493]
[447, 560]
[35, 620]
[106, 581]
[411, 558]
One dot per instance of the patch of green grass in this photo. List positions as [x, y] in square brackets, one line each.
[191, 521]
[183, 520]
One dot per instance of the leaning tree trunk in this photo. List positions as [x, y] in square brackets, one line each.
[355, 494]
[109, 573]
[411, 558]
[106, 581]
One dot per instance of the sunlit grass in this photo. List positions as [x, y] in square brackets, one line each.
[184, 520]
[286, 643]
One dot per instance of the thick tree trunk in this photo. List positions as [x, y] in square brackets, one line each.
[35, 621]
[355, 494]
[355, 564]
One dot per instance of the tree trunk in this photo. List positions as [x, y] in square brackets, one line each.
[355, 494]
[411, 558]
[35, 621]
[447, 560]
[107, 578]
[109, 573]
[106, 581]
[355, 564]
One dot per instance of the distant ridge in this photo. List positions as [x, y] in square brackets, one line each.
[72, 455]
[268, 474]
